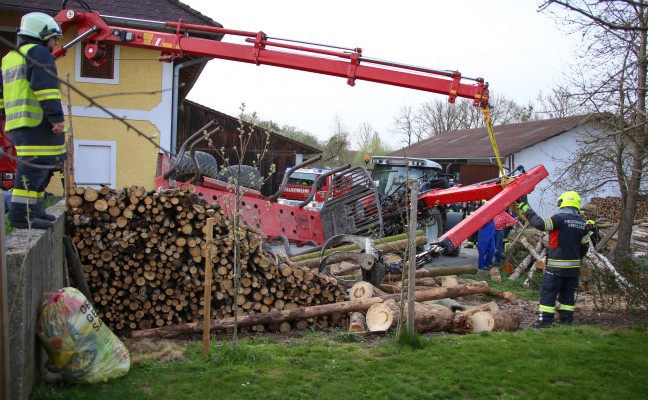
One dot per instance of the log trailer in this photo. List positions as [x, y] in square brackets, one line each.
[351, 186]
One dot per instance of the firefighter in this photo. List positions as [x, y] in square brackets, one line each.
[568, 244]
[31, 100]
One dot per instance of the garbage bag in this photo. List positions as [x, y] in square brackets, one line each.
[81, 346]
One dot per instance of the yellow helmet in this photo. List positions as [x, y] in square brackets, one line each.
[569, 199]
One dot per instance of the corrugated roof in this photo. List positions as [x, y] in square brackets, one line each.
[154, 10]
[475, 143]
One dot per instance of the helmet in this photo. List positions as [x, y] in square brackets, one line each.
[39, 26]
[569, 199]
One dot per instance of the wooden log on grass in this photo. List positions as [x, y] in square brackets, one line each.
[357, 322]
[302, 313]
[382, 317]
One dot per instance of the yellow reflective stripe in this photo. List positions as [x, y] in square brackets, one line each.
[48, 94]
[546, 309]
[26, 151]
[1, 104]
[23, 196]
[565, 307]
[548, 222]
[586, 238]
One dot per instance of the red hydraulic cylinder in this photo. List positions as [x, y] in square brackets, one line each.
[498, 201]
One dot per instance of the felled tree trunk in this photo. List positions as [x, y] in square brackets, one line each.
[302, 313]
[427, 317]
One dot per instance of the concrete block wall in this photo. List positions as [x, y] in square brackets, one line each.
[35, 265]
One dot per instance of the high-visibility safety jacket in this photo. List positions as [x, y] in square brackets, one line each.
[568, 237]
[31, 96]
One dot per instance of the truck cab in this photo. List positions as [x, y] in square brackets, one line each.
[299, 186]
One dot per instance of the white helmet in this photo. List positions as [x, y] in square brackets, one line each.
[39, 26]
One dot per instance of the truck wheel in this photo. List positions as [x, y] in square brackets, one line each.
[248, 176]
[184, 168]
[452, 219]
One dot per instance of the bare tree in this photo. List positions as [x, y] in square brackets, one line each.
[559, 103]
[336, 149]
[611, 79]
[404, 126]
[439, 116]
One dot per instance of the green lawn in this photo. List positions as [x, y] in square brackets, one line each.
[577, 362]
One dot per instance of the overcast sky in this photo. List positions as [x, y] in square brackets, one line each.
[517, 50]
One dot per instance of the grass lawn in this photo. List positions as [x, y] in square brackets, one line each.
[571, 362]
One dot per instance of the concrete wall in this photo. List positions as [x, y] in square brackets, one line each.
[35, 265]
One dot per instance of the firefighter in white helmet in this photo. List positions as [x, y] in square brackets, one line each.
[568, 244]
[30, 101]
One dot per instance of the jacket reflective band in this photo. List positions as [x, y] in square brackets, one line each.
[548, 224]
[22, 108]
[48, 94]
[563, 263]
[32, 151]
[565, 307]
[547, 309]
[23, 196]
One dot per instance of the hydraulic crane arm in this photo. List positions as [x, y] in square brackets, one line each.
[499, 199]
[260, 49]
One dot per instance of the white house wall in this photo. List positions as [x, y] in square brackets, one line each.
[553, 153]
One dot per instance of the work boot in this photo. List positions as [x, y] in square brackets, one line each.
[35, 223]
[39, 212]
[542, 324]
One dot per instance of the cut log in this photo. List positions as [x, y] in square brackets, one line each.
[357, 322]
[361, 290]
[505, 321]
[463, 323]
[427, 317]
[482, 321]
[310, 312]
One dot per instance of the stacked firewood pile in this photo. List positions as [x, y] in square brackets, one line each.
[606, 213]
[143, 257]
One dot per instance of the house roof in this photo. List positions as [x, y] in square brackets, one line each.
[475, 143]
[153, 10]
[304, 148]
[137, 14]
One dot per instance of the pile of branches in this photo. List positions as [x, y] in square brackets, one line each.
[143, 256]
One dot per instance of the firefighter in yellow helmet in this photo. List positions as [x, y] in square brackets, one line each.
[30, 101]
[568, 244]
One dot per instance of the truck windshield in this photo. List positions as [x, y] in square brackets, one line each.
[303, 179]
[389, 177]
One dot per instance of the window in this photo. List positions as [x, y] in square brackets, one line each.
[95, 163]
[107, 73]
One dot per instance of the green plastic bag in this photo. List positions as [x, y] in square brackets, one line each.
[78, 342]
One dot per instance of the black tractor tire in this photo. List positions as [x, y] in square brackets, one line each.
[248, 176]
[452, 219]
[184, 168]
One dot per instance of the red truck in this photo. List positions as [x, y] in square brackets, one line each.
[300, 184]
